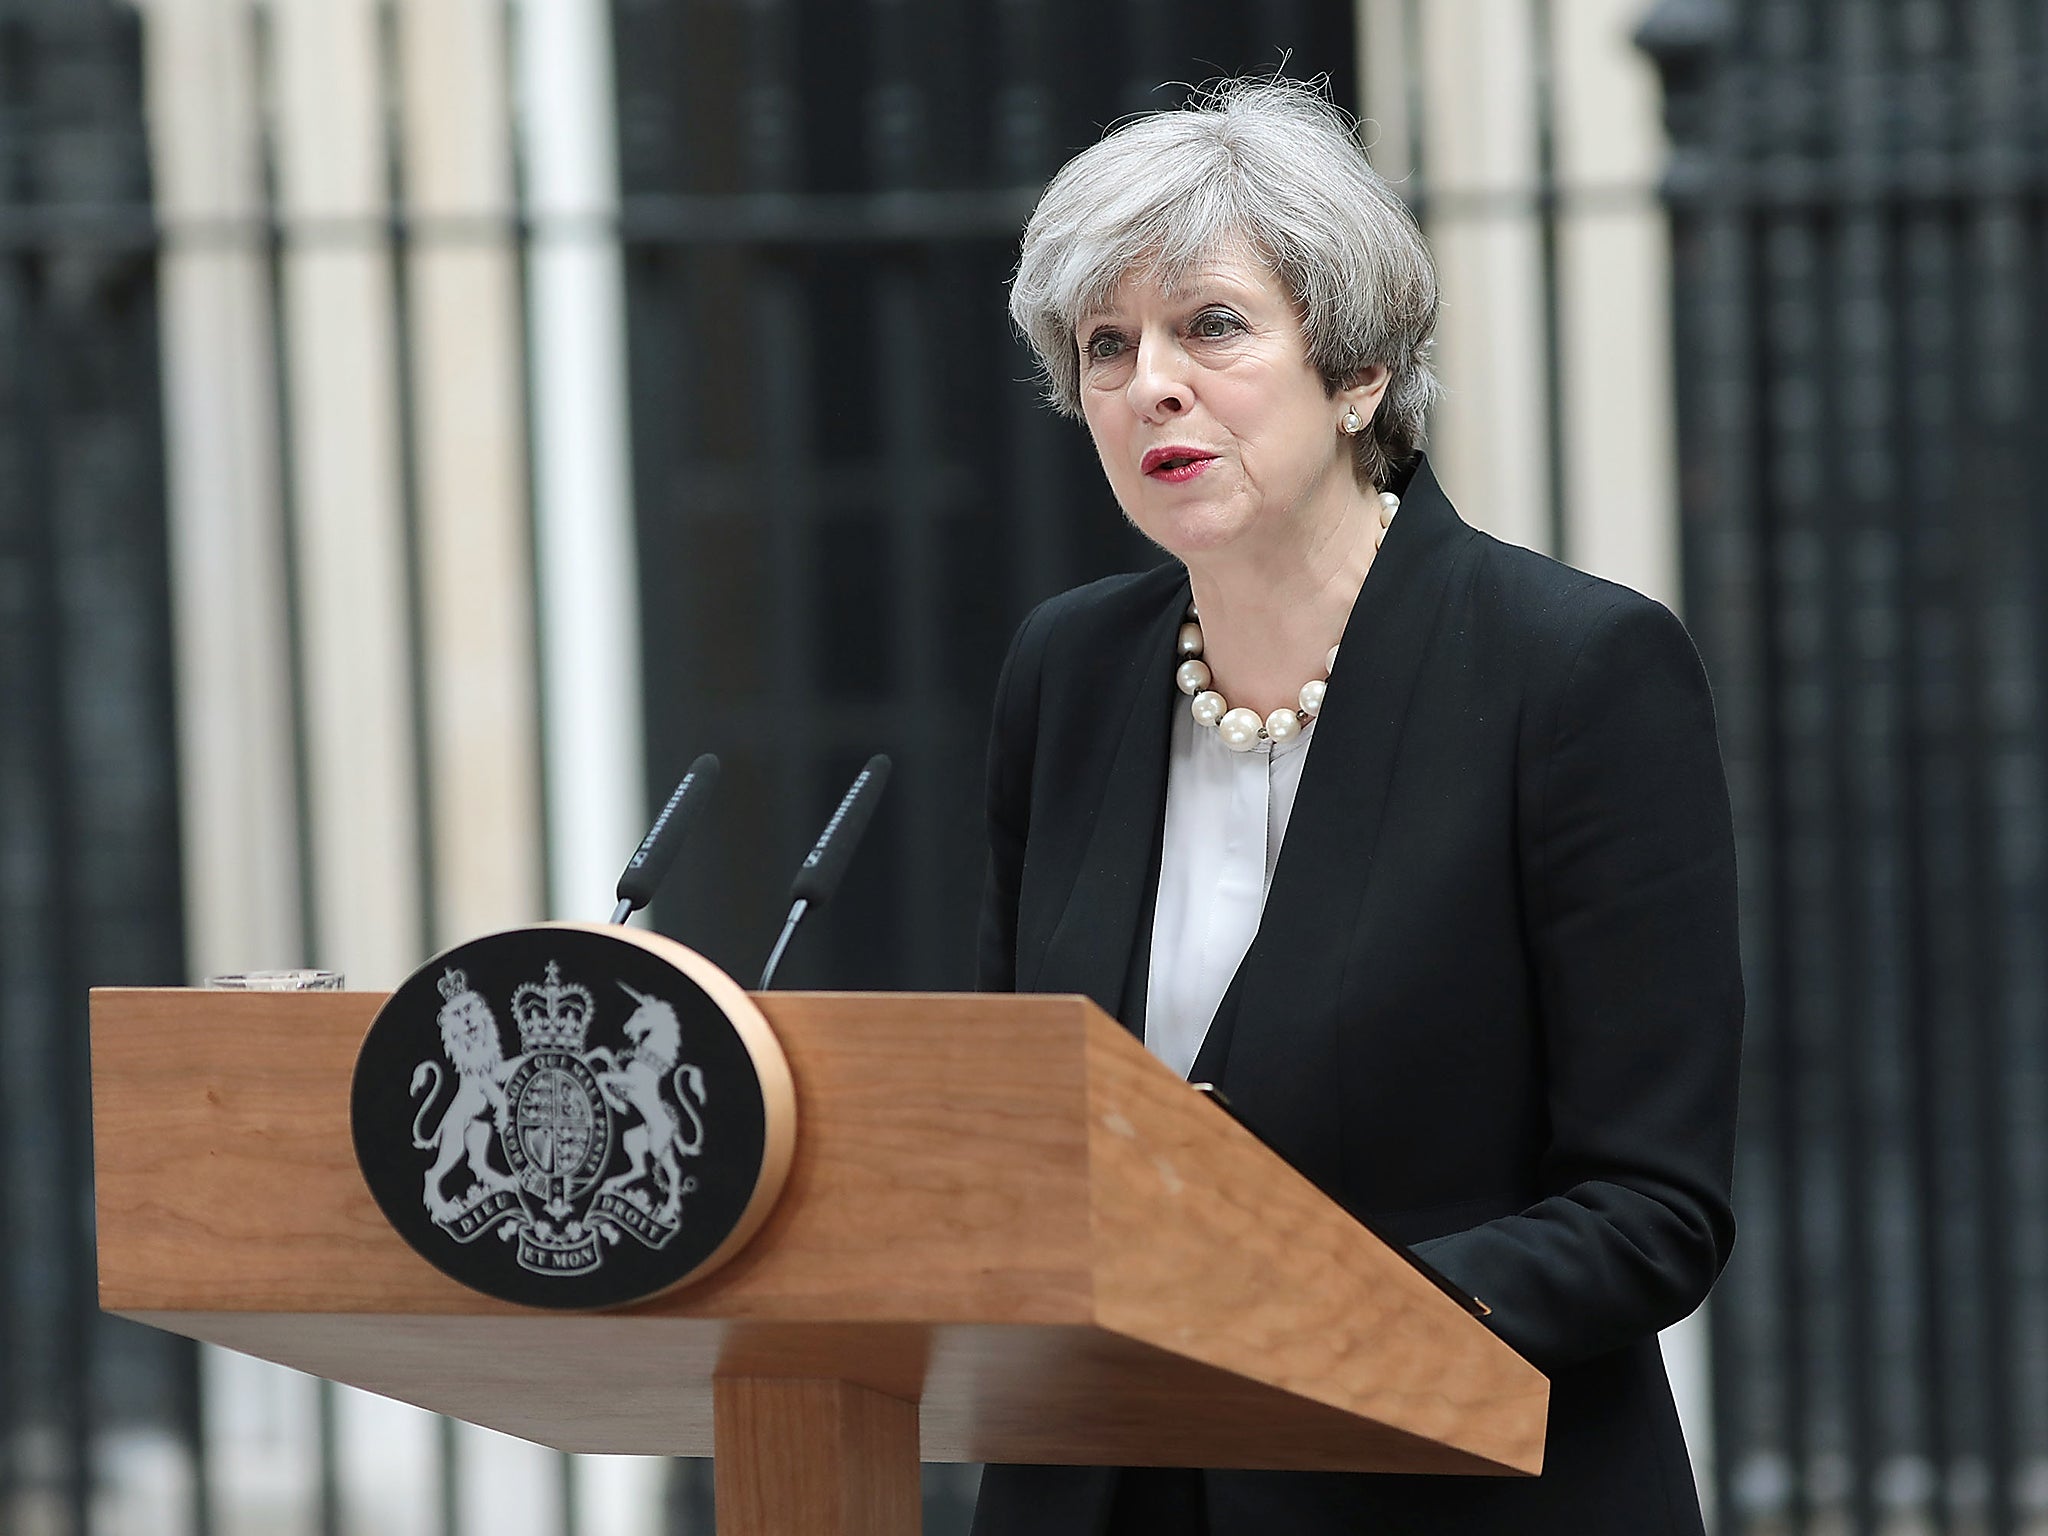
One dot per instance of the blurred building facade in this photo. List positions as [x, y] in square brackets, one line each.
[430, 423]
[1859, 200]
[89, 854]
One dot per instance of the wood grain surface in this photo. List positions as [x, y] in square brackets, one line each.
[1246, 1266]
[857, 1478]
[1000, 1208]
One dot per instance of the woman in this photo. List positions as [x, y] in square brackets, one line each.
[1426, 859]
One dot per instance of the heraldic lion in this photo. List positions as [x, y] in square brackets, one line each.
[469, 1035]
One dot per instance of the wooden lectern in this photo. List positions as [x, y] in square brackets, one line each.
[1008, 1235]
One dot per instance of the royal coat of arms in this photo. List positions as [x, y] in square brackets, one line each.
[565, 1148]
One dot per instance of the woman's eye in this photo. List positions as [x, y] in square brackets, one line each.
[1103, 346]
[1215, 325]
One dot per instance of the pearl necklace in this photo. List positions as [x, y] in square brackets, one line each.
[1241, 729]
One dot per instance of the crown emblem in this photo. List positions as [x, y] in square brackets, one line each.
[554, 1016]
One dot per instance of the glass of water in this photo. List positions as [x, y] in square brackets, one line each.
[277, 981]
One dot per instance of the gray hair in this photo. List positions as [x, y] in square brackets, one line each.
[1269, 163]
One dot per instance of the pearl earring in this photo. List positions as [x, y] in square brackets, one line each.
[1353, 423]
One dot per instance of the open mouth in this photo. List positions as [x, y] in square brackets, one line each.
[1175, 463]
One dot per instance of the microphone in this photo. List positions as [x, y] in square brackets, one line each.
[657, 851]
[825, 865]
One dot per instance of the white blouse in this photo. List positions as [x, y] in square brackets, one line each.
[1226, 814]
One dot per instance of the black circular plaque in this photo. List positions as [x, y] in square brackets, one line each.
[571, 1116]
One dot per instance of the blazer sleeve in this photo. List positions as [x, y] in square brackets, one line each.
[1628, 857]
[1012, 745]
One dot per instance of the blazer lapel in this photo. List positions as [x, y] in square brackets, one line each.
[1281, 1003]
[1092, 949]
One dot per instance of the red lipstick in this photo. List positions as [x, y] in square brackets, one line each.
[1175, 462]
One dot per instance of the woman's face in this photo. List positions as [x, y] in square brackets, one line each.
[1215, 432]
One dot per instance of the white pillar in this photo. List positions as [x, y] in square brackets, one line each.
[238, 801]
[583, 513]
[1490, 436]
[1614, 302]
[469, 425]
[348, 509]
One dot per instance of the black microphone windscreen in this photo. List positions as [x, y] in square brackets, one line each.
[657, 851]
[825, 865]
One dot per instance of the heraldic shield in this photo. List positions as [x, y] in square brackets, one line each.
[572, 1116]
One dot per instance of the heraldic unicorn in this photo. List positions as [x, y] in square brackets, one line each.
[563, 1148]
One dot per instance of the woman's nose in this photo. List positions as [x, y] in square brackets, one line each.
[1159, 383]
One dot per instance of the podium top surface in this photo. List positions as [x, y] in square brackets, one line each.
[1000, 1207]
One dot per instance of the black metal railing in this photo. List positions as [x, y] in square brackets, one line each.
[89, 872]
[1859, 199]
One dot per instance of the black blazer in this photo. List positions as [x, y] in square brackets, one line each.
[1493, 1005]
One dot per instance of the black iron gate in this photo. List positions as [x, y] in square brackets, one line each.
[1859, 194]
